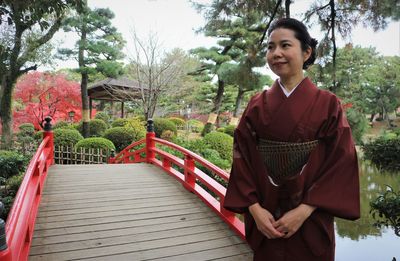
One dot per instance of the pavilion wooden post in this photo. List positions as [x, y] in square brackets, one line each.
[122, 109]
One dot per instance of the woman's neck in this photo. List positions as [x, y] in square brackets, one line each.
[291, 82]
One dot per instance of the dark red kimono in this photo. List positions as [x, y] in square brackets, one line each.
[329, 181]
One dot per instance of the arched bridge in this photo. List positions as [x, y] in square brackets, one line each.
[123, 211]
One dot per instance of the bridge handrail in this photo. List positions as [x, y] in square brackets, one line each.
[22, 216]
[189, 176]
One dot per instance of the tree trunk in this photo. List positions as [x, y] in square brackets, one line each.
[239, 100]
[287, 8]
[85, 105]
[6, 113]
[218, 100]
[84, 80]
[333, 39]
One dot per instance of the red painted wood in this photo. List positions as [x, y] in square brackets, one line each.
[22, 216]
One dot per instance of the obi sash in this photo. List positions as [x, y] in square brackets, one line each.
[283, 160]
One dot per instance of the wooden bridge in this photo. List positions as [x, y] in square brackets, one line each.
[122, 211]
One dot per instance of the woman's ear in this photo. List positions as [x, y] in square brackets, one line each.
[307, 54]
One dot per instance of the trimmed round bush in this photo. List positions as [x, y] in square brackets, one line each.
[62, 125]
[137, 126]
[66, 137]
[11, 163]
[123, 136]
[195, 125]
[26, 129]
[230, 129]
[221, 142]
[96, 128]
[101, 115]
[167, 135]
[95, 143]
[119, 122]
[161, 125]
[180, 123]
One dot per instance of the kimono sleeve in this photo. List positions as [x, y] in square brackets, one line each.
[241, 192]
[335, 186]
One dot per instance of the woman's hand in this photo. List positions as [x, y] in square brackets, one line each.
[292, 220]
[264, 221]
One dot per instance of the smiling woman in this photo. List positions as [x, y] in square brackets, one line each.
[289, 202]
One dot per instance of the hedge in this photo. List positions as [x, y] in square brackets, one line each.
[95, 143]
[66, 137]
[96, 128]
[123, 136]
[384, 152]
[161, 125]
[221, 142]
[11, 164]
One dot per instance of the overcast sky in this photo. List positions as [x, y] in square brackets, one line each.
[175, 22]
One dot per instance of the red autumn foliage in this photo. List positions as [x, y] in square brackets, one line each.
[39, 94]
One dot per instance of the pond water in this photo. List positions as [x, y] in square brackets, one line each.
[360, 240]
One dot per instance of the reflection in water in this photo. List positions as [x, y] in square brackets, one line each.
[359, 238]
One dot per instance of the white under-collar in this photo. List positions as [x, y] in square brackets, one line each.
[286, 92]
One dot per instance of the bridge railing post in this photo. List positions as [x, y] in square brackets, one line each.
[49, 133]
[150, 143]
[190, 179]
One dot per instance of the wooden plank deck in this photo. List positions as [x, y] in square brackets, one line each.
[127, 212]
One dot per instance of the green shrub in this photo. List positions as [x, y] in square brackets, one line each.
[195, 125]
[221, 129]
[161, 125]
[385, 209]
[62, 125]
[96, 128]
[167, 135]
[101, 115]
[38, 136]
[230, 129]
[13, 183]
[95, 143]
[26, 143]
[123, 136]
[11, 163]
[180, 123]
[221, 142]
[207, 129]
[384, 152]
[26, 129]
[358, 123]
[138, 127]
[66, 137]
[119, 122]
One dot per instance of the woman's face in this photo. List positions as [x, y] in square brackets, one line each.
[284, 55]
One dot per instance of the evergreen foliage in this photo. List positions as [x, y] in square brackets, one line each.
[122, 137]
[103, 116]
[161, 125]
[97, 128]
[95, 143]
[11, 164]
[221, 142]
[66, 137]
[384, 152]
[120, 122]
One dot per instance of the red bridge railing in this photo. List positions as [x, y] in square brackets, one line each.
[21, 218]
[146, 151]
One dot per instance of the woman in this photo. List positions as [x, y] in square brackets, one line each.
[295, 165]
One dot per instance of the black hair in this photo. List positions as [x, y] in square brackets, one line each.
[301, 33]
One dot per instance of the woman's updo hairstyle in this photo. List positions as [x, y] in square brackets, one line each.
[301, 33]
